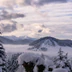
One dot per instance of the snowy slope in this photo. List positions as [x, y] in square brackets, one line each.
[44, 43]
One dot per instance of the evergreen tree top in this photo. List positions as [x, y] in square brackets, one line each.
[0, 33]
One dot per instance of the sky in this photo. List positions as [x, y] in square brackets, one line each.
[36, 18]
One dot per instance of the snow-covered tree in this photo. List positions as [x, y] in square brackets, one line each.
[62, 61]
[30, 60]
[12, 63]
[2, 59]
[49, 64]
[70, 62]
[41, 63]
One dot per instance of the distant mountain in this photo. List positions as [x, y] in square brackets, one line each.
[5, 40]
[16, 40]
[11, 37]
[44, 43]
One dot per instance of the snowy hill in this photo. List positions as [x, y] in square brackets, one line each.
[46, 42]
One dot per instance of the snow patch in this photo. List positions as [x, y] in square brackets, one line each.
[60, 70]
[27, 57]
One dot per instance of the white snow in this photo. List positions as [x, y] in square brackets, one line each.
[40, 61]
[49, 63]
[31, 57]
[60, 70]
[38, 57]
[20, 69]
[27, 57]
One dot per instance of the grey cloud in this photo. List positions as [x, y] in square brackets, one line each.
[11, 3]
[39, 31]
[61, 31]
[4, 15]
[65, 28]
[27, 2]
[42, 2]
[9, 26]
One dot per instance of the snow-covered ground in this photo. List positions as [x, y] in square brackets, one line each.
[52, 51]
[15, 57]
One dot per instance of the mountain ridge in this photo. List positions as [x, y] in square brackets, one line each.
[8, 40]
[45, 42]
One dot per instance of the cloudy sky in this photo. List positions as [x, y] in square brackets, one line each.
[36, 18]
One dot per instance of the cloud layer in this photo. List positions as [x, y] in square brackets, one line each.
[42, 2]
[12, 3]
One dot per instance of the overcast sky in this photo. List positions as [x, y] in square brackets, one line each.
[55, 15]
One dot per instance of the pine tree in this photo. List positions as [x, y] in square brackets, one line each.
[12, 63]
[2, 58]
[62, 61]
[60, 54]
